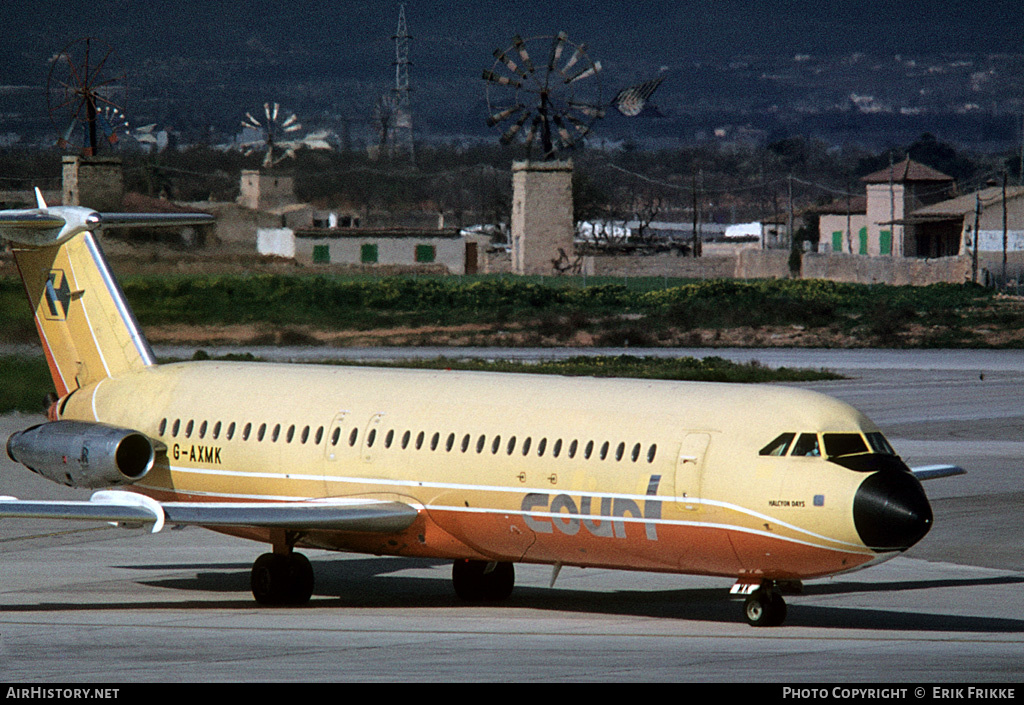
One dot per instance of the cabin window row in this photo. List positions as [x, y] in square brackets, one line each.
[510, 445]
[204, 429]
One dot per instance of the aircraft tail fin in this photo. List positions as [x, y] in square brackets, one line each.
[87, 330]
[86, 327]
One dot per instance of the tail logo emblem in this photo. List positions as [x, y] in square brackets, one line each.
[58, 295]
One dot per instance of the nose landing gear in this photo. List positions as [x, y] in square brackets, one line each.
[765, 607]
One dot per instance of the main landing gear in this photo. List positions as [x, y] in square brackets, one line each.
[482, 581]
[282, 579]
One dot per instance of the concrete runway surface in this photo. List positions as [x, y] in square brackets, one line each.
[87, 604]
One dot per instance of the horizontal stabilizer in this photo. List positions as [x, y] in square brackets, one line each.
[118, 220]
[115, 506]
[31, 220]
[930, 472]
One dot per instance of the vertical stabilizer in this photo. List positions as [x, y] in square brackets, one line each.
[86, 328]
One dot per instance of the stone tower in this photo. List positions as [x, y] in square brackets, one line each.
[542, 216]
[93, 182]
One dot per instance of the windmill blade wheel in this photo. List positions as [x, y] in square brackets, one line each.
[548, 82]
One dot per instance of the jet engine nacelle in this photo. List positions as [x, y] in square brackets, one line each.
[81, 454]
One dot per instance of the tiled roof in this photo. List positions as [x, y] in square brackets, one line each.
[907, 170]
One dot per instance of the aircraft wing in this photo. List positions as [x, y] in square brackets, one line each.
[930, 472]
[115, 506]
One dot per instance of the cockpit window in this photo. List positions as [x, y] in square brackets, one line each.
[879, 444]
[837, 444]
[807, 446]
[779, 446]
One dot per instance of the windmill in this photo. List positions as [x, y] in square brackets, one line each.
[85, 92]
[544, 89]
[278, 135]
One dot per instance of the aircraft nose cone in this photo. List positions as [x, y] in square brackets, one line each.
[891, 511]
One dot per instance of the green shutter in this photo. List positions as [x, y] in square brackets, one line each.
[863, 234]
[837, 241]
[368, 254]
[885, 242]
[425, 253]
[321, 254]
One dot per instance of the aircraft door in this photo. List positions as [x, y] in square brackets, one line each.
[371, 439]
[689, 469]
[336, 437]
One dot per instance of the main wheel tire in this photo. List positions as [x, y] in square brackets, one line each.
[481, 581]
[278, 579]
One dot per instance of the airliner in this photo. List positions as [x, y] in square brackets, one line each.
[765, 485]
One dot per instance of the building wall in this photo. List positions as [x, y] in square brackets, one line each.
[990, 225]
[852, 233]
[884, 206]
[370, 250]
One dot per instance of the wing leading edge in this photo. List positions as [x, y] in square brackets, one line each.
[115, 506]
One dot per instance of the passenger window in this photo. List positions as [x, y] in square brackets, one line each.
[202, 430]
[277, 433]
[305, 434]
[480, 442]
[541, 446]
[405, 439]
[335, 436]
[434, 440]
[371, 437]
[450, 443]
[262, 432]
[291, 433]
[837, 444]
[651, 452]
[779, 446]
[807, 446]
[572, 448]
[319, 435]
[352, 437]
[526, 445]
[465, 443]
[188, 428]
[879, 444]
[557, 448]
[246, 431]
[589, 450]
[176, 427]
[216, 430]
[604, 450]
[635, 455]
[163, 426]
[620, 451]
[388, 439]
[511, 445]
[231, 431]
[495, 445]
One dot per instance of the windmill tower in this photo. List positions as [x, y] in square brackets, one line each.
[400, 140]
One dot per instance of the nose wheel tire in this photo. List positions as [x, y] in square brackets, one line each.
[282, 580]
[481, 581]
[765, 608]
